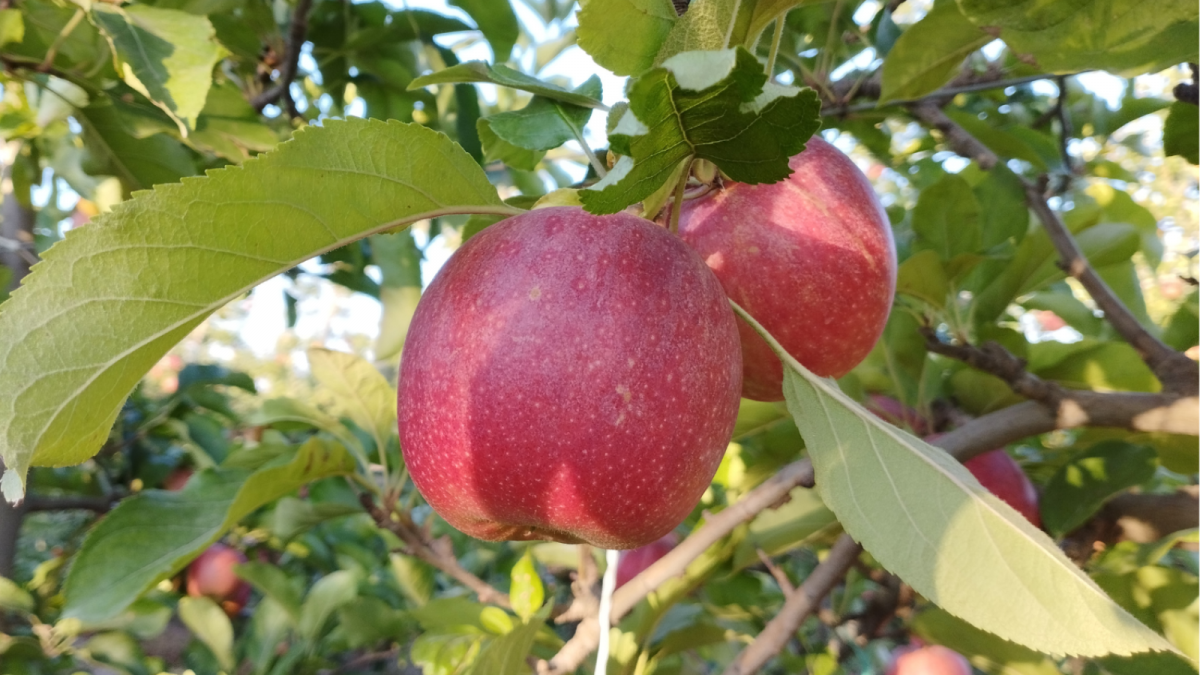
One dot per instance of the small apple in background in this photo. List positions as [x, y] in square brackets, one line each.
[928, 660]
[569, 377]
[1049, 320]
[997, 471]
[811, 258]
[177, 479]
[894, 412]
[212, 575]
[633, 563]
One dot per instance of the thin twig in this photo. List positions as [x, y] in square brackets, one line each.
[1064, 126]
[993, 358]
[870, 89]
[781, 577]
[296, 37]
[436, 552]
[1177, 372]
[959, 140]
[52, 52]
[97, 504]
[797, 608]
[776, 38]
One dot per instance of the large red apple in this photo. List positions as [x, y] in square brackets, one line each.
[633, 563]
[212, 575]
[1003, 477]
[569, 377]
[930, 660]
[810, 257]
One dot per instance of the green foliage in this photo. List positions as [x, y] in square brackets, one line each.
[928, 55]
[1081, 486]
[716, 106]
[1181, 131]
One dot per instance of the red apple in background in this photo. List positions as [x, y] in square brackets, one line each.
[569, 377]
[175, 480]
[811, 258]
[997, 471]
[930, 660]
[212, 575]
[1049, 320]
[894, 412]
[633, 563]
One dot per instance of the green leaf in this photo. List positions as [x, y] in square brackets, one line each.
[218, 236]
[366, 621]
[1003, 215]
[229, 127]
[496, 149]
[923, 276]
[1065, 36]
[140, 163]
[1091, 364]
[985, 651]
[360, 390]
[929, 53]
[273, 583]
[165, 54]
[526, 592]
[508, 653]
[709, 25]
[414, 577]
[326, 596]
[921, 515]
[478, 71]
[1181, 131]
[708, 105]
[624, 36]
[545, 123]
[946, 218]
[1183, 328]
[776, 531]
[292, 517]
[14, 598]
[209, 623]
[154, 534]
[399, 261]
[497, 22]
[1081, 486]
[12, 26]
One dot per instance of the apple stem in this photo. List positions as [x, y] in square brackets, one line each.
[677, 203]
[775, 40]
[607, 586]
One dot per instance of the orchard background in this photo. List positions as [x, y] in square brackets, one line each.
[1037, 163]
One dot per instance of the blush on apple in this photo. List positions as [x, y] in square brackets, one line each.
[811, 258]
[177, 479]
[1003, 477]
[212, 575]
[928, 660]
[569, 377]
[633, 563]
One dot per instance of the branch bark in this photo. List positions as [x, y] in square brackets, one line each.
[957, 138]
[800, 604]
[1177, 372]
[297, 33]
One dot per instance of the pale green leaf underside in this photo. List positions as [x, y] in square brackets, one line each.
[166, 54]
[153, 535]
[363, 394]
[926, 519]
[209, 623]
[108, 301]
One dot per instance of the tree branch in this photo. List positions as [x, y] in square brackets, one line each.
[957, 138]
[799, 605]
[40, 503]
[297, 34]
[995, 359]
[1178, 373]
[436, 552]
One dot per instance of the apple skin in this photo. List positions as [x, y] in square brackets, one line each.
[177, 479]
[1003, 477]
[633, 563]
[930, 660]
[211, 575]
[896, 413]
[569, 377]
[811, 258]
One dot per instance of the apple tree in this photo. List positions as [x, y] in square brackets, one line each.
[946, 249]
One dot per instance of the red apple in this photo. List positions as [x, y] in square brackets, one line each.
[212, 575]
[569, 377]
[175, 480]
[894, 412]
[810, 257]
[633, 563]
[1049, 320]
[931, 660]
[1003, 477]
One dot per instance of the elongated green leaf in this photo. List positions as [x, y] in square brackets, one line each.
[507, 653]
[929, 53]
[527, 592]
[478, 71]
[273, 583]
[208, 622]
[1080, 487]
[545, 123]
[12, 26]
[153, 535]
[928, 520]
[329, 593]
[361, 391]
[946, 218]
[496, 149]
[709, 105]
[166, 54]
[1069, 35]
[624, 36]
[1181, 131]
[497, 22]
[139, 163]
[98, 311]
